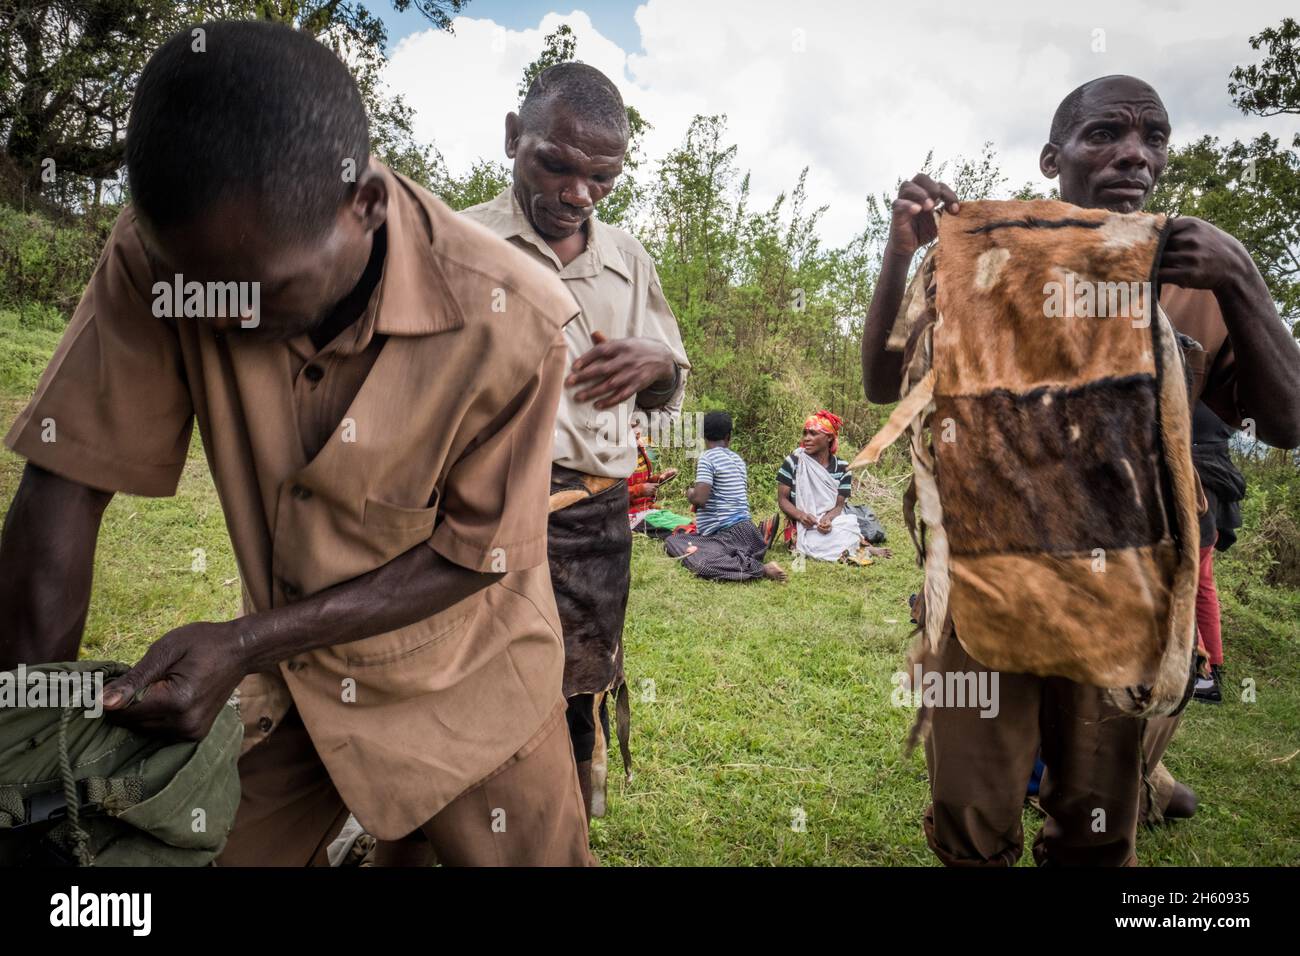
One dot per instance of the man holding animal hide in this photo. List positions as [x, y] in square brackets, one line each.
[1093, 441]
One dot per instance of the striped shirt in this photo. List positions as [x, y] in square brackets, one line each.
[729, 502]
[838, 468]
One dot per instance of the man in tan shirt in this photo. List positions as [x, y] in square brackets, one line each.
[375, 390]
[625, 352]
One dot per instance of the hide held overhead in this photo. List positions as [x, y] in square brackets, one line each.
[1051, 450]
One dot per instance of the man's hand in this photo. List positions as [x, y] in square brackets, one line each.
[912, 223]
[615, 371]
[1198, 255]
[181, 683]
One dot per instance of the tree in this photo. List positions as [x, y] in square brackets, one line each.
[1273, 86]
[484, 181]
[68, 69]
[558, 47]
[1250, 190]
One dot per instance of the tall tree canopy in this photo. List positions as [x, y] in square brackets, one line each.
[68, 69]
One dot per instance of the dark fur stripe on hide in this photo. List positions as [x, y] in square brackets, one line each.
[1032, 223]
[1055, 471]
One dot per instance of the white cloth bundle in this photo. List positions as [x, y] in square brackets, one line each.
[816, 491]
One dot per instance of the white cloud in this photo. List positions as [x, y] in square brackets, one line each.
[871, 90]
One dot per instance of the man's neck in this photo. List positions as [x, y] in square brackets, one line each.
[353, 305]
[570, 247]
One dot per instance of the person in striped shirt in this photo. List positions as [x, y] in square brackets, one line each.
[726, 545]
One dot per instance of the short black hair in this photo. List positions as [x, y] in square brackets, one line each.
[585, 91]
[717, 426]
[263, 110]
[1069, 113]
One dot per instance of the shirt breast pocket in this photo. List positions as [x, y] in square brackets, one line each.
[396, 528]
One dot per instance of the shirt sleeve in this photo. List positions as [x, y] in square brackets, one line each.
[785, 474]
[494, 504]
[113, 408]
[912, 307]
[656, 321]
[705, 470]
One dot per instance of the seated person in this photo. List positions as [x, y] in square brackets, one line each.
[726, 545]
[812, 488]
[643, 485]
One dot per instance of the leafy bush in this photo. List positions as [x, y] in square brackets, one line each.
[46, 263]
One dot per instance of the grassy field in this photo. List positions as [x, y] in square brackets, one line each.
[757, 705]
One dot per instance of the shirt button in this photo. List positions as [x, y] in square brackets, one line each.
[264, 725]
[299, 492]
[314, 373]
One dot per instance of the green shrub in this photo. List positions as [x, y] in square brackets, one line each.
[46, 263]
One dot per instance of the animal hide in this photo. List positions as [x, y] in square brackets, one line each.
[1051, 449]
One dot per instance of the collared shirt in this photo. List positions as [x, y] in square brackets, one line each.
[429, 420]
[1193, 312]
[617, 288]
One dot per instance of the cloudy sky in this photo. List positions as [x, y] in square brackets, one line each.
[858, 92]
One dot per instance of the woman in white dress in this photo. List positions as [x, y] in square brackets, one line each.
[812, 488]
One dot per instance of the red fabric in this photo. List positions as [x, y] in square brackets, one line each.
[1208, 624]
[827, 422]
[638, 500]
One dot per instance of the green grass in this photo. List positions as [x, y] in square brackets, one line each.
[766, 699]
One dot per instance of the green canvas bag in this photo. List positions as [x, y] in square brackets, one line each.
[79, 790]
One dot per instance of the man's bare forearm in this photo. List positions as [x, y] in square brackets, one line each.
[1268, 360]
[413, 586]
[47, 560]
[882, 370]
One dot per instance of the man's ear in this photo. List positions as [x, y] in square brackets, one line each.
[1047, 161]
[370, 200]
[513, 131]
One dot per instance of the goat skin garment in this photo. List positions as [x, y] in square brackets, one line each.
[1047, 409]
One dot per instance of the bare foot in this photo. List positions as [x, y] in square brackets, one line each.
[772, 571]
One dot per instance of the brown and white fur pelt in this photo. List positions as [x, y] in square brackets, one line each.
[1073, 441]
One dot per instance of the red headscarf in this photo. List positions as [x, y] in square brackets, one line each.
[827, 422]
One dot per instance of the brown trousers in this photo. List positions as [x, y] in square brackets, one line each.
[1091, 790]
[289, 811]
[1157, 782]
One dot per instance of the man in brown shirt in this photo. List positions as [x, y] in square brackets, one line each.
[625, 352]
[375, 388]
[1108, 146]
